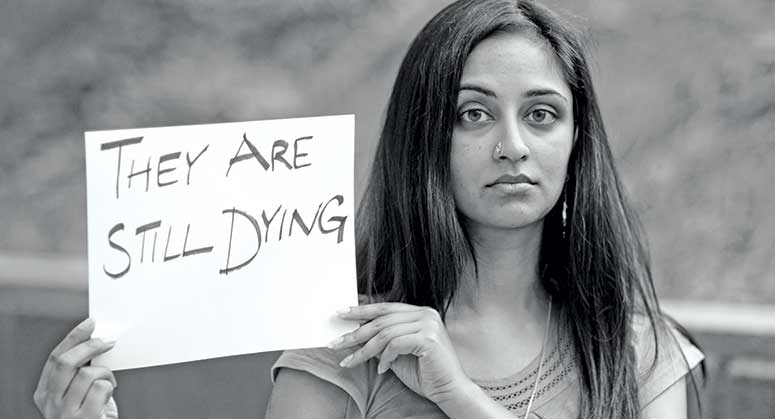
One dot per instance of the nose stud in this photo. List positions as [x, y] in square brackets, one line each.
[498, 149]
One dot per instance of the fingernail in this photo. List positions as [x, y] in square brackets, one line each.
[381, 368]
[109, 342]
[344, 310]
[89, 322]
[346, 361]
[336, 342]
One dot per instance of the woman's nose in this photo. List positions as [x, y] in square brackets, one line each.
[511, 145]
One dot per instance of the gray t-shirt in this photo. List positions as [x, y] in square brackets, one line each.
[384, 396]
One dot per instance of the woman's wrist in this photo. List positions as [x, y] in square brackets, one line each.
[454, 392]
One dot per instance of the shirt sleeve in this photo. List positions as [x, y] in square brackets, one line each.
[324, 364]
[658, 370]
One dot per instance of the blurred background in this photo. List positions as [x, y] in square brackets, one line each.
[687, 90]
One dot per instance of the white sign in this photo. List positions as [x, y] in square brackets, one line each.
[213, 240]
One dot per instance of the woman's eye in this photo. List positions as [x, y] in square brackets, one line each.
[541, 116]
[474, 115]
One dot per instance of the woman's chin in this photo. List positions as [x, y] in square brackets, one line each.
[509, 222]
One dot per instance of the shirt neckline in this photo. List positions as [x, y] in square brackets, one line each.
[529, 370]
[557, 373]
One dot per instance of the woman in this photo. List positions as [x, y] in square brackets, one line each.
[505, 270]
[495, 226]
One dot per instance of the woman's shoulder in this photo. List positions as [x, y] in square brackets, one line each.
[321, 360]
[323, 363]
[370, 393]
[314, 372]
[664, 355]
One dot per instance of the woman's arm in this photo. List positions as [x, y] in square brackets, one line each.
[671, 404]
[473, 403]
[299, 394]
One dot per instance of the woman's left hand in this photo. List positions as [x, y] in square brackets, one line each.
[412, 341]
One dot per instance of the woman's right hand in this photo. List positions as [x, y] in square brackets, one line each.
[69, 388]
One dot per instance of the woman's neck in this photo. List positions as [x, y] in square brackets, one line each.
[507, 283]
[504, 306]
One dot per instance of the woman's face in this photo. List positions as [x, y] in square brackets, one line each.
[513, 135]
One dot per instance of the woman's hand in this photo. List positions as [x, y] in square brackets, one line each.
[412, 341]
[68, 388]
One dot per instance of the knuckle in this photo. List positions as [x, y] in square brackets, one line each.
[102, 386]
[390, 347]
[75, 338]
[377, 324]
[86, 374]
[62, 362]
[431, 338]
[84, 327]
[350, 337]
[357, 335]
[72, 338]
[104, 372]
[37, 397]
[54, 358]
[433, 325]
[383, 335]
[429, 311]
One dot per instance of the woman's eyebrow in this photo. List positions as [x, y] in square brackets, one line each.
[529, 93]
[482, 90]
[544, 92]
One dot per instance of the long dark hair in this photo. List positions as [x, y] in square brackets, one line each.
[413, 246]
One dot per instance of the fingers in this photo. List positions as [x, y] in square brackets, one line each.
[372, 328]
[80, 333]
[402, 345]
[66, 386]
[377, 344]
[85, 377]
[65, 365]
[386, 323]
[372, 311]
[96, 399]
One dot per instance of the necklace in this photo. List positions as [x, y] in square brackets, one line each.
[540, 360]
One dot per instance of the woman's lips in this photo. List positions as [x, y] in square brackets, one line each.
[513, 184]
